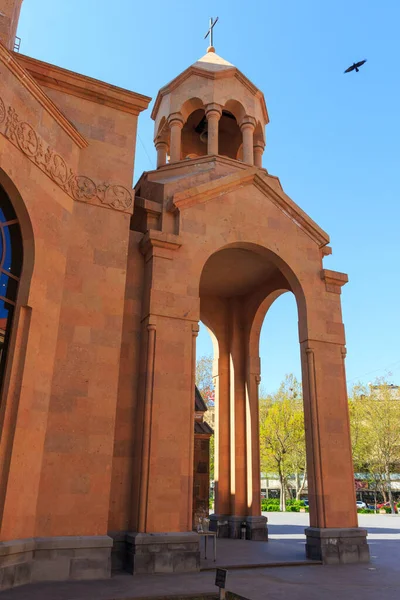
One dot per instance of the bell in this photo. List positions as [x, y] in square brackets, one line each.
[204, 136]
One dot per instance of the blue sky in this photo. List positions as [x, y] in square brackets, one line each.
[333, 139]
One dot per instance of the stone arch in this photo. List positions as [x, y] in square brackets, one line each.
[237, 109]
[162, 131]
[292, 280]
[259, 134]
[18, 326]
[190, 106]
[238, 283]
[25, 224]
[259, 317]
[194, 131]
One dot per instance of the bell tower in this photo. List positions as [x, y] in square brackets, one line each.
[220, 242]
[210, 109]
[9, 17]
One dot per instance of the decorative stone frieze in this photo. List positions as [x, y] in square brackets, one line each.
[79, 187]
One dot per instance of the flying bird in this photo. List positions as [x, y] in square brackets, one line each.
[356, 66]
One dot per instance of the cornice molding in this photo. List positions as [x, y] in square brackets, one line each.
[85, 87]
[80, 187]
[258, 178]
[292, 210]
[207, 160]
[7, 58]
[334, 280]
[159, 243]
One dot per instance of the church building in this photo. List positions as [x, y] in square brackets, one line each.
[102, 289]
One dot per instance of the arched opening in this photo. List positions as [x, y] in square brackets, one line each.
[230, 136]
[282, 433]
[194, 135]
[11, 257]
[237, 286]
[203, 468]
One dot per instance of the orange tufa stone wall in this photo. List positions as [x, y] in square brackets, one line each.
[97, 448]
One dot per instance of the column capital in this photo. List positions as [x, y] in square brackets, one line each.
[160, 142]
[176, 119]
[334, 280]
[259, 144]
[159, 244]
[248, 123]
[213, 109]
[258, 150]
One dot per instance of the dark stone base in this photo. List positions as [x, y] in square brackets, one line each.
[220, 524]
[163, 552]
[118, 552]
[54, 559]
[337, 546]
[229, 526]
[256, 529]
[235, 527]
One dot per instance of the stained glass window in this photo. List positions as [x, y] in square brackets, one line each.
[10, 271]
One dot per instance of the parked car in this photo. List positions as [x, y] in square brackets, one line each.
[387, 505]
[361, 504]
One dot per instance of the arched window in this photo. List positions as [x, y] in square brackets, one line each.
[10, 271]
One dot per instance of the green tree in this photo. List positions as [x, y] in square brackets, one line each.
[212, 458]
[375, 429]
[282, 438]
[361, 442]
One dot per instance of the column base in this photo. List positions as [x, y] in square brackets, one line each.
[337, 546]
[235, 526]
[163, 552]
[220, 524]
[59, 558]
[230, 526]
[257, 529]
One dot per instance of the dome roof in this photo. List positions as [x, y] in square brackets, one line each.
[212, 62]
[222, 82]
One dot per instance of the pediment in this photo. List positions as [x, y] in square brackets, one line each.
[268, 185]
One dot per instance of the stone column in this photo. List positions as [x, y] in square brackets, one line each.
[237, 416]
[214, 313]
[222, 455]
[256, 523]
[333, 535]
[213, 115]
[161, 147]
[247, 127]
[237, 461]
[163, 540]
[258, 151]
[175, 122]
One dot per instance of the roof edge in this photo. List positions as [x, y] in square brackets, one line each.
[259, 178]
[192, 70]
[8, 58]
[83, 86]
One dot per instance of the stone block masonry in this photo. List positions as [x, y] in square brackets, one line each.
[54, 559]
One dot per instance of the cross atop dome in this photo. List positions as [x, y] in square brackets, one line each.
[210, 34]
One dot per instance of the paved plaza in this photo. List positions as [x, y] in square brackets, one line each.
[379, 580]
